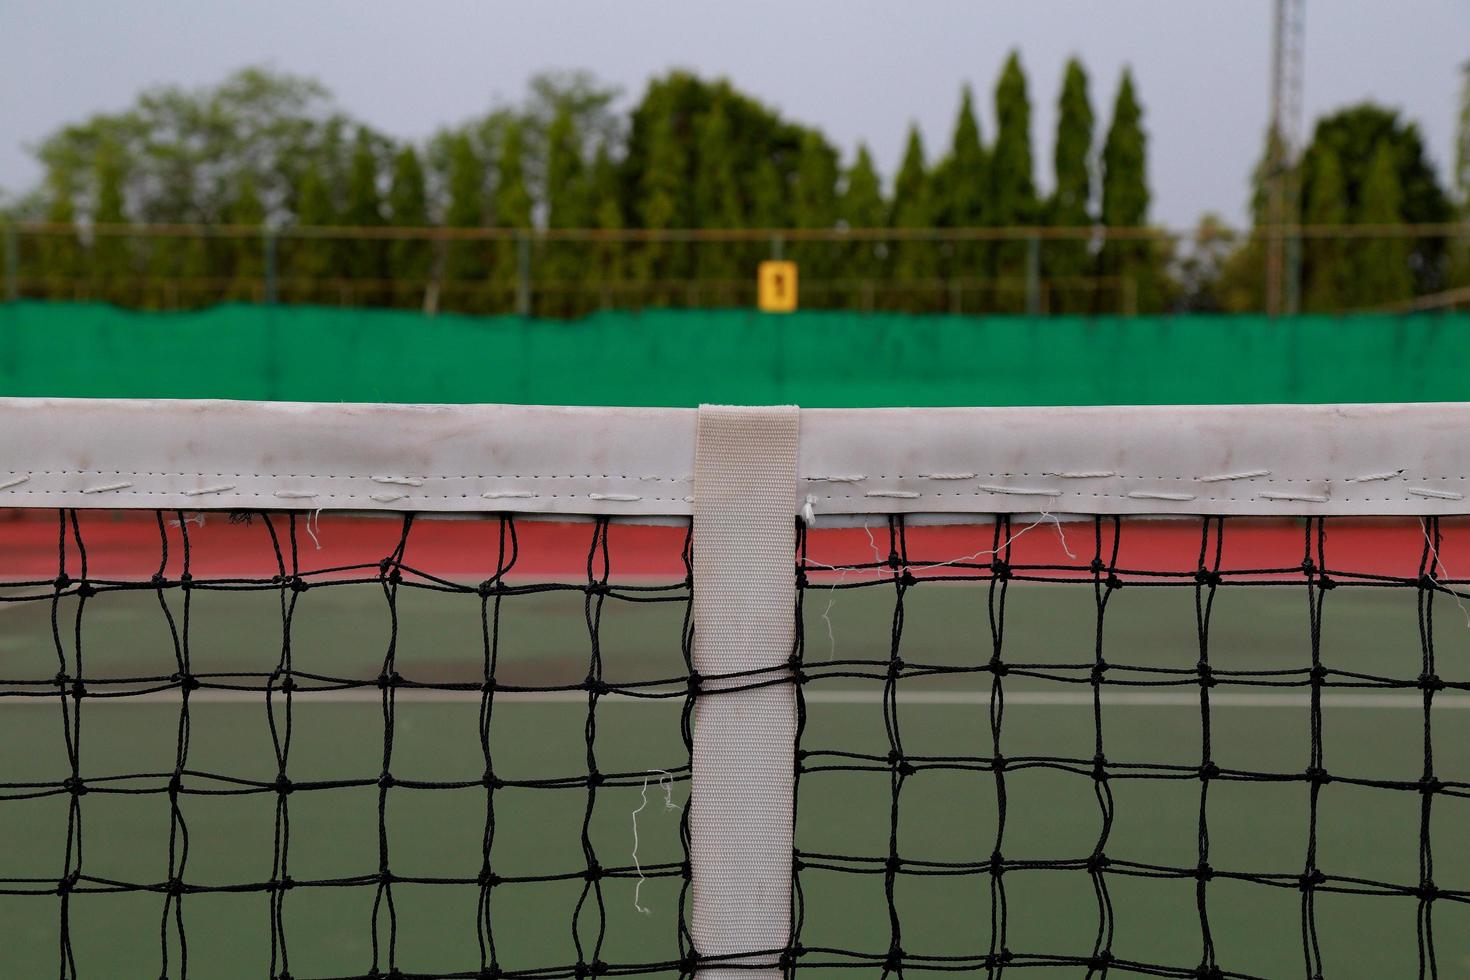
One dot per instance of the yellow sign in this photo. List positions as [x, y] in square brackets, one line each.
[777, 282]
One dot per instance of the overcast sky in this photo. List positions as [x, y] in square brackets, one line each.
[859, 69]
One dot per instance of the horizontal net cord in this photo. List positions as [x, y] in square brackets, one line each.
[1268, 460]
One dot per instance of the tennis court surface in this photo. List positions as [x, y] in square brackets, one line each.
[286, 741]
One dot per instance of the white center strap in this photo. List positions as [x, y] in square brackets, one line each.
[740, 818]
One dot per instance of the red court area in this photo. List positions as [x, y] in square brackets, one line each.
[129, 545]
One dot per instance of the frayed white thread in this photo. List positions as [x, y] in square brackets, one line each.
[1159, 495]
[13, 482]
[1242, 475]
[947, 476]
[808, 511]
[504, 494]
[1083, 474]
[218, 488]
[196, 519]
[387, 498]
[107, 487]
[1439, 563]
[315, 517]
[1436, 494]
[899, 494]
[401, 481]
[842, 571]
[666, 780]
[1370, 477]
[1306, 498]
[1021, 491]
[624, 498]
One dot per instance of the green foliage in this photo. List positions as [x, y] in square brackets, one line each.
[1327, 273]
[1013, 190]
[814, 204]
[716, 193]
[1066, 262]
[1125, 200]
[365, 258]
[913, 207]
[962, 187]
[1381, 272]
[111, 260]
[862, 206]
[408, 207]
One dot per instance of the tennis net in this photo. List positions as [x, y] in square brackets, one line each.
[517, 692]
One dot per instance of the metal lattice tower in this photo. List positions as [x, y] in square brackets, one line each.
[1283, 248]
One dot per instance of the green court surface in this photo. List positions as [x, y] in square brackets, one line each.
[1258, 827]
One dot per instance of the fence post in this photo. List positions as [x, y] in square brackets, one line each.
[523, 273]
[1033, 275]
[268, 241]
[12, 262]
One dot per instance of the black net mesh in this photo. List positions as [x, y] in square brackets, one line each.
[1200, 749]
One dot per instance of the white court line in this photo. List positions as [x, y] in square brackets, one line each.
[1142, 699]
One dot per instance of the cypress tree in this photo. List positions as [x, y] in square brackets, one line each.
[512, 209]
[464, 261]
[914, 261]
[111, 252]
[767, 190]
[1125, 197]
[59, 254]
[567, 206]
[311, 262]
[408, 207]
[364, 209]
[663, 170]
[1013, 188]
[607, 208]
[716, 192]
[862, 206]
[1381, 271]
[814, 204]
[1328, 278]
[1072, 159]
[963, 189]
[249, 262]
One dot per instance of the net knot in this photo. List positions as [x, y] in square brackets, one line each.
[596, 968]
[386, 876]
[1206, 674]
[488, 878]
[174, 886]
[1427, 583]
[1318, 776]
[1308, 566]
[1098, 670]
[894, 960]
[1207, 576]
[1100, 768]
[297, 584]
[1209, 972]
[594, 779]
[1209, 771]
[1430, 682]
[491, 972]
[283, 785]
[997, 863]
[67, 884]
[1311, 880]
[489, 587]
[283, 884]
[1318, 674]
[388, 679]
[893, 864]
[85, 589]
[487, 686]
[596, 686]
[62, 581]
[998, 764]
[385, 780]
[1097, 862]
[1000, 569]
[1113, 582]
[593, 872]
[1427, 892]
[187, 681]
[1429, 786]
[1325, 583]
[907, 579]
[693, 681]
[175, 784]
[74, 785]
[895, 667]
[78, 689]
[1204, 872]
[1100, 961]
[491, 781]
[598, 588]
[690, 962]
[998, 668]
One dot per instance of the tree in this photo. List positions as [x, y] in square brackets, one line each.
[609, 266]
[962, 190]
[59, 255]
[312, 260]
[660, 183]
[1072, 197]
[513, 206]
[1013, 191]
[1125, 200]
[567, 206]
[365, 258]
[408, 207]
[1381, 270]
[914, 261]
[111, 259]
[716, 193]
[862, 206]
[248, 211]
[814, 204]
[464, 261]
[1327, 274]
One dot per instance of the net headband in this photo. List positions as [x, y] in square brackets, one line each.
[1257, 460]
